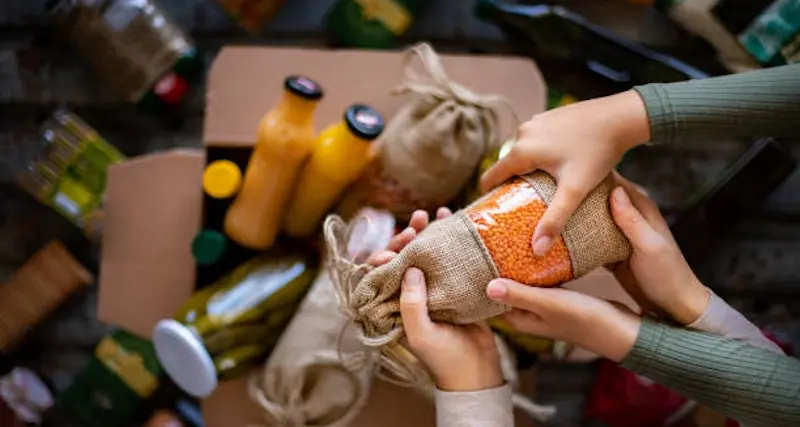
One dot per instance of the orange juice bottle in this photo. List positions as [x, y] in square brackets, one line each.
[340, 155]
[285, 140]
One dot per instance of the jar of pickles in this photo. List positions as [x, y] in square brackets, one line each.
[226, 328]
[69, 174]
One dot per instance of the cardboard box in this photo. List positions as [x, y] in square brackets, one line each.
[154, 203]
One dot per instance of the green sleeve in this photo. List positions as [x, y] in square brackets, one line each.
[752, 104]
[752, 385]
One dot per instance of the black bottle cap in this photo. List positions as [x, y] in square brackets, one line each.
[364, 121]
[304, 87]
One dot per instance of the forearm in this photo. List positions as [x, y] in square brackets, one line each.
[483, 408]
[752, 385]
[758, 103]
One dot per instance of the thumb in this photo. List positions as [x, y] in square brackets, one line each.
[567, 198]
[632, 223]
[510, 165]
[517, 295]
[414, 305]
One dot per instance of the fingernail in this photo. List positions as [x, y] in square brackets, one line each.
[496, 289]
[413, 278]
[621, 197]
[542, 245]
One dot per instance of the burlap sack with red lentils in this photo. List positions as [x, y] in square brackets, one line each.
[459, 255]
[432, 145]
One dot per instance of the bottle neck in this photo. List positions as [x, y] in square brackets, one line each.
[295, 110]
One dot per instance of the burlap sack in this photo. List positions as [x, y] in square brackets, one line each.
[431, 147]
[319, 373]
[457, 265]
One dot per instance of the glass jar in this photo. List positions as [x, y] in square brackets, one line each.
[69, 174]
[134, 46]
[226, 328]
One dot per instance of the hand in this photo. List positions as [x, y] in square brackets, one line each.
[656, 275]
[586, 321]
[460, 358]
[578, 145]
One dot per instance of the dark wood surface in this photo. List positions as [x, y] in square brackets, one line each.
[755, 265]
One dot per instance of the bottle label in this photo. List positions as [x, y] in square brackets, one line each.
[171, 88]
[128, 366]
[392, 15]
[66, 205]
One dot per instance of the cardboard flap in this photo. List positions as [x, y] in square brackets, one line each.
[246, 82]
[153, 211]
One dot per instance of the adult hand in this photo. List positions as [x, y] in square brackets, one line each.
[561, 314]
[578, 145]
[460, 358]
[656, 275]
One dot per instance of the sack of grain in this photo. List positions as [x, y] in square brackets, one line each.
[459, 255]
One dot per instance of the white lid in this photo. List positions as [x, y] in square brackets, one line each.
[183, 356]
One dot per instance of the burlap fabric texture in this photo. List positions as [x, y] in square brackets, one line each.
[457, 266]
[432, 145]
[319, 373]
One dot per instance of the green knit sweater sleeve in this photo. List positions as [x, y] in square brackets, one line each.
[752, 385]
[752, 104]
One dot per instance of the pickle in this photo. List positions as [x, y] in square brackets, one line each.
[237, 336]
[238, 360]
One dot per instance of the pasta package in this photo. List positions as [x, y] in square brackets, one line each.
[459, 255]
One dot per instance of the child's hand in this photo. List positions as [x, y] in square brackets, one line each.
[578, 145]
[460, 358]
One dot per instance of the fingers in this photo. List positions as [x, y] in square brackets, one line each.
[633, 224]
[414, 307]
[419, 220]
[510, 165]
[517, 295]
[381, 257]
[524, 321]
[641, 200]
[443, 213]
[401, 239]
[568, 196]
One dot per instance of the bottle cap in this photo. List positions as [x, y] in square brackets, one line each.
[185, 359]
[222, 179]
[208, 247]
[303, 87]
[364, 121]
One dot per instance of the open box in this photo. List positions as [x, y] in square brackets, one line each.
[154, 203]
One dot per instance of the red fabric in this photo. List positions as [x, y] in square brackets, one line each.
[621, 398]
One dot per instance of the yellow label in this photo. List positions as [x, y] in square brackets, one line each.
[128, 366]
[392, 15]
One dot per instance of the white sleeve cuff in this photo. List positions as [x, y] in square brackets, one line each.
[722, 319]
[483, 408]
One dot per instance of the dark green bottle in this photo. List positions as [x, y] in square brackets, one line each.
[562, 40]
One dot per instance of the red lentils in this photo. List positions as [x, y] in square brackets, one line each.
[505, 220]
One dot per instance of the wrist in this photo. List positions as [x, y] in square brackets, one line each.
[630, 123]
[622, 329]
[691, 305]
[486, 375]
